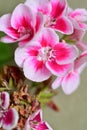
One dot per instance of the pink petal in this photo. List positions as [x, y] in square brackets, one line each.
[22, 53]
[58, 7]
[39, 22]
[83, 26]
[77, 35]
[70, 82]
[63, 25]
[5, 22]
[56, 69]
[43, 6]
[81, 62]
[5, 100]
[57, 82]
[20, 56]
[1, 119]
[35, 70]
[65, 53]
[7, 39]
[12, 33]
[27, 126]
[82, 45]
[10, 119]
[79, 14]
[32, 4]
[48, 38]
[37, 116]
[43, 126]
[22, 16]
[33, 120]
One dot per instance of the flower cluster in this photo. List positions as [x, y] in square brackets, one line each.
[50, 44]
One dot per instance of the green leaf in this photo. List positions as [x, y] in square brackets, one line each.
[45, 96]
[10, 85]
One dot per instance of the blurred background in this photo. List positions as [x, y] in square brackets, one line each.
[73, 108]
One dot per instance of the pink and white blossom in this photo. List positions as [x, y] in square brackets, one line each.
[71, 80]
[8, 117]
[78, 17]
[20, 26]
[36, 122]
[45, 57]
[53, 12]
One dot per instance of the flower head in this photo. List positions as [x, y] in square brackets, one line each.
[45, 57]
[54, 15]
[21, 25]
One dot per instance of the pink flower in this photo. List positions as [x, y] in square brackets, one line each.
[22, 25]
[78, 17]
[36, 123]
[53, 11]
[8, 117]
[45, 57]
[71, 80]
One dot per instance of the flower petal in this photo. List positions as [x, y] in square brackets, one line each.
[70, 82]
[43, 6]
[79, 14]
[22, 53]
[81, 62]
[35, 70]
[39, 22]
[5, 100]
[27, 126]
[33, 120]
[5, 22]
[56, 69]
[43, 126]
[48, 38]
[81, 45]
[58, 7]
[37, 116]
[63, 25]
[65, 53]
[83, 26]
[7, 39]
[10, 119]
[22, 16]
[1, 120]
[20, 56]
[57, 82]
[77, 35]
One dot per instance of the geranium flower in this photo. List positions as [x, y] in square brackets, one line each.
[36, 123]
[8, 117]
[21, 25]
[45, 57]
[54, 14]
[78, 17]
[71, 80]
